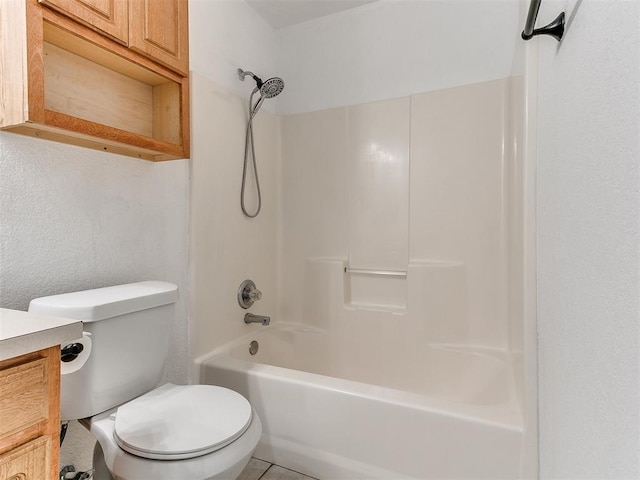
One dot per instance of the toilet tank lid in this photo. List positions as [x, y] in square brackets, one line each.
[106, 302]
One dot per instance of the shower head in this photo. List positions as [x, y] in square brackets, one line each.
[272, 87]
[269, 88]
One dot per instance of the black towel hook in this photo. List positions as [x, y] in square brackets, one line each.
[555, 28]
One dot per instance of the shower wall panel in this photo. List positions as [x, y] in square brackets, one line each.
[314, 198]
[458, 204]
[227, 247]
[378, 188]
[517, 189]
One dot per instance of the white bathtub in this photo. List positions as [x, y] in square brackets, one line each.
[336, 414]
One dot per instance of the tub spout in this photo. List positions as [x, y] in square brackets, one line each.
[251, 318]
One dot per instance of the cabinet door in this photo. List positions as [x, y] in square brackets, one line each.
[107, 16]
[159, 30]
[23, 397]
[28, 462]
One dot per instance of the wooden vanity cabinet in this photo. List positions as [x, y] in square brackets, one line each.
[30, 416]
[64, 78]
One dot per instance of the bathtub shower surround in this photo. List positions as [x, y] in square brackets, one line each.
[389, 152]
[399, 300]
[425, 178]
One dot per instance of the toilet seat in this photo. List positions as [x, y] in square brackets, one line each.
[175, 422]
[111, 461]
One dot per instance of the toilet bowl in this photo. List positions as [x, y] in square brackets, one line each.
[109, 381]
[225, 462]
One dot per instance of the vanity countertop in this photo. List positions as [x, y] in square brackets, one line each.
[24, 332]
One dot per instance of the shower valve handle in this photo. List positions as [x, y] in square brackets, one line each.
[248, 294]
[254, 294]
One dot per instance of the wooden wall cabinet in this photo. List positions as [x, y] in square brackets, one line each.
[110, 17]
[157, 29]
[30, 416]
[64, 81]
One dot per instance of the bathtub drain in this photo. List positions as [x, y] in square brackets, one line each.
[253, 347]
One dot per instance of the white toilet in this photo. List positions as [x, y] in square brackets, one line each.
[145, 431]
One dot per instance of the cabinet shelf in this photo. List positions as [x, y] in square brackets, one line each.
[82, 88]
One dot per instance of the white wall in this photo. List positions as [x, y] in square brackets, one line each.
[225, 35]
[589, 237]
[390, 49]
[225, 246]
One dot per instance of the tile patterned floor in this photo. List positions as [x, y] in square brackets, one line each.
[261, 470]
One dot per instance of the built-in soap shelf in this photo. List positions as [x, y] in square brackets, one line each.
[375, 289]
[431, 293]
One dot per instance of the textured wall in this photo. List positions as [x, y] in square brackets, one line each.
[589, 237]
[74, 219]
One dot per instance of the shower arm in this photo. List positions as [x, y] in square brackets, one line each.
[555, 28]
[244, 73]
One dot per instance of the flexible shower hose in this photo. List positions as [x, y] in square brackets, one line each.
[249, 150]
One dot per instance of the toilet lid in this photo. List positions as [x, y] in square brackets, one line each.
[176, 422]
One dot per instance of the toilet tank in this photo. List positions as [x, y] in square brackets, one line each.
[125, 340]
